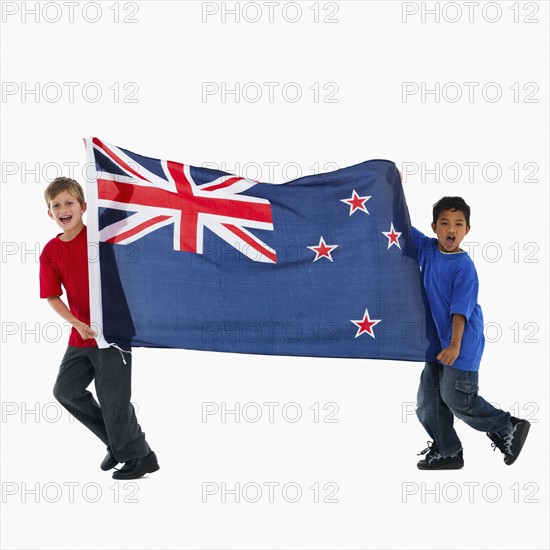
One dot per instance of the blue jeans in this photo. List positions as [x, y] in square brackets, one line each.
[444, 393]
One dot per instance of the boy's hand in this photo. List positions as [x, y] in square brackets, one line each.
[85, 331]
[448, 355]
[61, 309]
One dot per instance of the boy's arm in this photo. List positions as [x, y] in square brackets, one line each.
[463, 303]
[61, 309]
[419, 238]
[448, 355]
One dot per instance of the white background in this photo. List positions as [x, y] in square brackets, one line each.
[369, 51]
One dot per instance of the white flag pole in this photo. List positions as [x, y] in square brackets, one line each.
[94, 265]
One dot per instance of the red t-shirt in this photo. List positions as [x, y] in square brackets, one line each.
[66, 263]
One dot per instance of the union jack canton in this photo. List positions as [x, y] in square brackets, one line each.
[165, 193]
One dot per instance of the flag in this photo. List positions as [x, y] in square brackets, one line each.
[195, 258]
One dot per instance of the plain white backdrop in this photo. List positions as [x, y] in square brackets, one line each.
[150, 76]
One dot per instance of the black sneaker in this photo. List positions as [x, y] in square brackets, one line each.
[511, 444]
[434, 461]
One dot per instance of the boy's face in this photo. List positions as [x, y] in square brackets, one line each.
[66, 211]
[450, 229]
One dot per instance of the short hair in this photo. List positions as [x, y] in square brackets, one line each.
[453, 204]
[58, 185]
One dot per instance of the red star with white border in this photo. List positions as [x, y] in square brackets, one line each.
[323, 250]
[393, 237]
[366, 324]
[356, 203]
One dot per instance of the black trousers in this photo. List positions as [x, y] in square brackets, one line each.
[113, 419]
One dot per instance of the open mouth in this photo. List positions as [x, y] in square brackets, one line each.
[65, 219]
[450, 241]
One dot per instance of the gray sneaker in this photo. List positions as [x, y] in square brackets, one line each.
[434, 461]
[510, 445]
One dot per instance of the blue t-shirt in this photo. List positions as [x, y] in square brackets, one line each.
[451, 285]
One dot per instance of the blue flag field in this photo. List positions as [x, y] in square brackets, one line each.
[199, 259]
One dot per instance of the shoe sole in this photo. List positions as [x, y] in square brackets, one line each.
[151, 469]
[108, 467]
[442, 467]
[522, 438]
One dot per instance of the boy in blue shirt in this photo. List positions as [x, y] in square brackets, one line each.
[449, 386]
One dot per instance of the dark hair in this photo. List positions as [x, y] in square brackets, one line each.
[451, 203]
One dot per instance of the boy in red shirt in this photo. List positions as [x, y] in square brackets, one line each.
[64, 261]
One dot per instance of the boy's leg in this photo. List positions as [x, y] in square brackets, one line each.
[460, 392]
[434, 414]
[113, 381]
[459, 389]
[75, 374]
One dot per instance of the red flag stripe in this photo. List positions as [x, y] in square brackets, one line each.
[248, 240]
[184, 200]
[118, 159]
[226, 183]
[137, 229]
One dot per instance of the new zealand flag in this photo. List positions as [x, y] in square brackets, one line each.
[196, 258]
